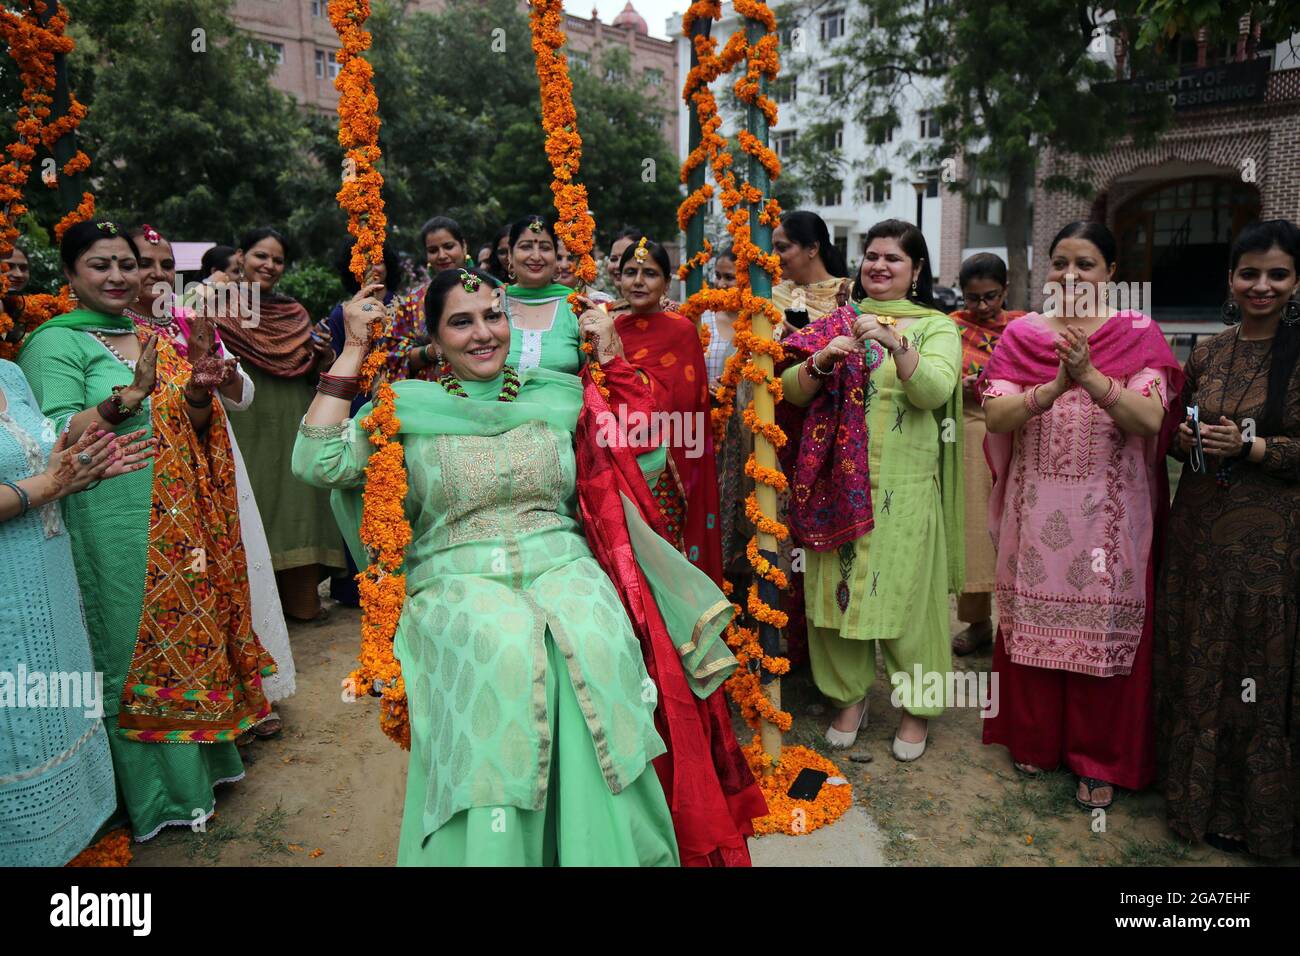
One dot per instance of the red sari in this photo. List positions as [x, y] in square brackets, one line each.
[711, 792]
[664, 347]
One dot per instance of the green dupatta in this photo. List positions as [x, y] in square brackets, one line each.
[694, 610]
[426, 408]
[951, 491]
[547, 293]
[82, 318]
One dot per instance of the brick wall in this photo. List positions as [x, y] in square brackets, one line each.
[953, 229]
[1268, 134]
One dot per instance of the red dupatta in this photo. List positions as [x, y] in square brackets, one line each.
[711, 791]
[665, 348]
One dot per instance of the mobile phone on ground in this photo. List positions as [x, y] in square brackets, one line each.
[807, 785]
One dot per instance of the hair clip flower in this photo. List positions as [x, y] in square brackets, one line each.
[468, 282]
[641, 254]
[108, 227]
[150, 234]
[536, 225]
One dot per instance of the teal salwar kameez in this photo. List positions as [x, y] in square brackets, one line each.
[532, 715]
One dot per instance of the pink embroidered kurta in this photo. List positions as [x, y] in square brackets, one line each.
[1074, 534]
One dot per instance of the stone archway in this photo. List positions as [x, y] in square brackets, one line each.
[1175, 234]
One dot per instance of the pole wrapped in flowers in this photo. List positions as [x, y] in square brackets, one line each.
[385, 531]
[33, 41]
[754, 358]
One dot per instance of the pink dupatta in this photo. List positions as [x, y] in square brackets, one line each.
[1074, 628]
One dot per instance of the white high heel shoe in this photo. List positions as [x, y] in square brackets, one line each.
[843, 739]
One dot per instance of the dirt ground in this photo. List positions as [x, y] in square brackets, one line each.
[329, 791]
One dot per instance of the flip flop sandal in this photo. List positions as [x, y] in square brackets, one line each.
[1092, 783]
[1022, 769]
[244, 739]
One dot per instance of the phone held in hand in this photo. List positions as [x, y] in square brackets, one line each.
[807, 785]
[797, 317]
[1198, 450]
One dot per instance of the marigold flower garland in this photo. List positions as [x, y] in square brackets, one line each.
[113, 849]
[574, 225]
[384, 529]
[33, 47]
[745, 686]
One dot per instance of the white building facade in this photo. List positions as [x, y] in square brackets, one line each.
[807, 76]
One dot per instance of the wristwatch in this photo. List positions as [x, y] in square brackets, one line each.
[903, 346]
[1246, 448]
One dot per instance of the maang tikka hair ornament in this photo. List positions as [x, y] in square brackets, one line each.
[108, 227]
[468, 282]
[641, 254]
[536, 225]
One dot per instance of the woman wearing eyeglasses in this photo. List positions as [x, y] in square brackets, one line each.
[983, 282]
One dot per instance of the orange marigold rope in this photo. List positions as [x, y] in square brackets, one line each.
[745, 686]
[574, 226]
[384, 529]
[33, 47]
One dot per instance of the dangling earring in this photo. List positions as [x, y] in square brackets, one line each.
[1230, 311]
[914, 287]
[1291, 313]
[512, 277]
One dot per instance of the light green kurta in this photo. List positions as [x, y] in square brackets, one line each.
[498, 575]
[69, 370]
[899, 573]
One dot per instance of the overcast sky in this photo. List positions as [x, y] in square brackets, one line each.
[654, 11]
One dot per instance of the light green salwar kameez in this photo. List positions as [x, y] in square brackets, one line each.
[161, 784]
[532, 716]
[900, 573]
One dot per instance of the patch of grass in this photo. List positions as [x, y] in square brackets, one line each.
[207, 844]
[266, 831]
[1146, 852]
[996, 856]
[900, 845]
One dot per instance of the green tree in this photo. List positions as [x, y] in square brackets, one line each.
[462, 134]
[183, 127]
[1014, 80]
[1165, 19]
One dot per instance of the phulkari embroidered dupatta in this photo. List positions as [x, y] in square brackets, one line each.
[197, 668]
[978, 339]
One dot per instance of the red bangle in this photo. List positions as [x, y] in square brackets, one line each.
[346, 387]
[1112, 395]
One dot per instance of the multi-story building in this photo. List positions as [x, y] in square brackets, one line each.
[1231, 156]
[809, 43]
[304, 43]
